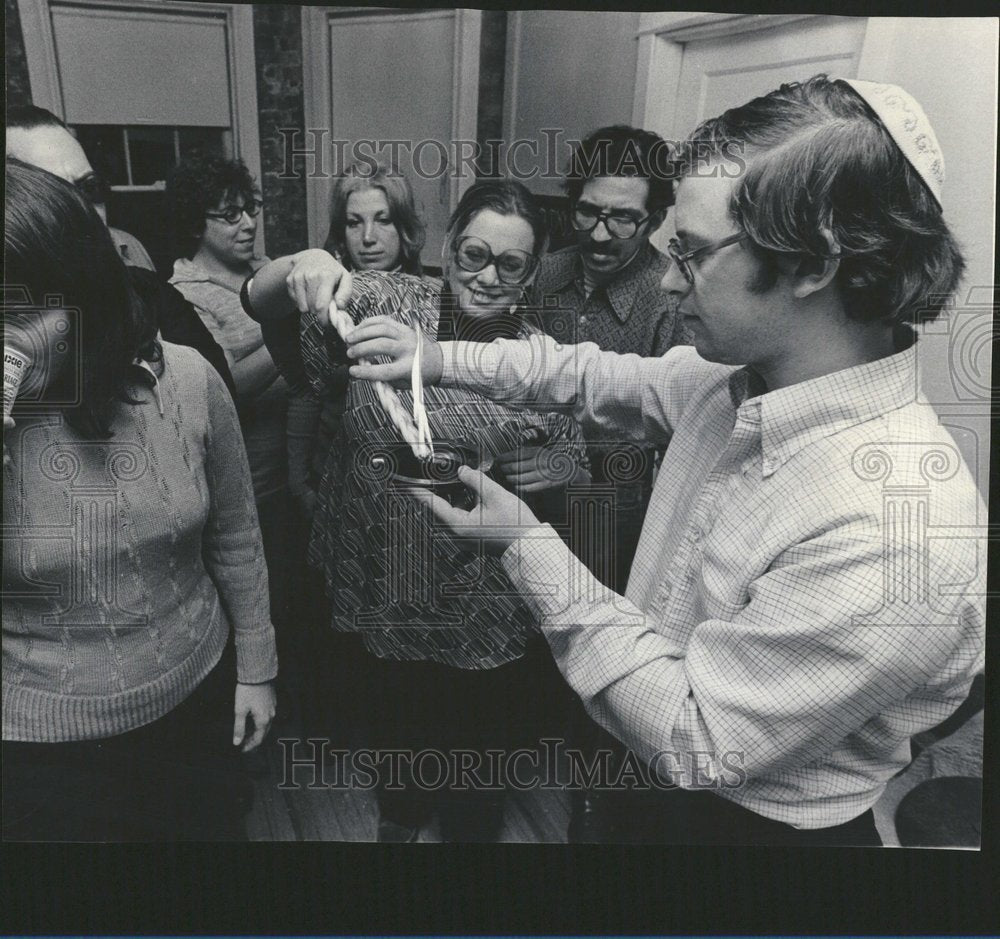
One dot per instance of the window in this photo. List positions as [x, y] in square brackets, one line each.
[135, 161]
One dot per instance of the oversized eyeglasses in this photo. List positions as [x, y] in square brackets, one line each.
[586, 217]
[93, 188]
[231, 214]
[683, 258]
[513, 267]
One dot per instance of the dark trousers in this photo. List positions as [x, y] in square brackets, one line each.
[423, 706]
[686, 816]
[176, 779]
[654, 814]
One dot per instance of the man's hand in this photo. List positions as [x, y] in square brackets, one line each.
[535, 469]
[497, 521]
[256, 702]
[382, 335]
[315, 279]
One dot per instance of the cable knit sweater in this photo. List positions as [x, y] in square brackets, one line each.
[126, 561]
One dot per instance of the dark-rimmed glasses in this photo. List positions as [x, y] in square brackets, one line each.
[683, 258]
[93, 188]
[231, 214]
[513, 267]
[586, 217]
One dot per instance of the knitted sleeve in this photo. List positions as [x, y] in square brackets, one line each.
[231, 542]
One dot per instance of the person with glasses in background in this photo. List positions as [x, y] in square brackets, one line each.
[36, 136]
[809, 591]
[605, 288]
[455, 661]
[214, 206]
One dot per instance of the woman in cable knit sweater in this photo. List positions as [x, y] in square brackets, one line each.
[135, 590]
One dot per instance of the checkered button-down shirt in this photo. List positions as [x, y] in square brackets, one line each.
[808, 590]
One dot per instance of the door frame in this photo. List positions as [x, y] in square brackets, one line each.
[662, 36]
[318, 106]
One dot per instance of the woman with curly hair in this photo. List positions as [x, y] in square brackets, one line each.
[214, 204]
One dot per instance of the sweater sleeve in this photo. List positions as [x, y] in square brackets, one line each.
[231, 541]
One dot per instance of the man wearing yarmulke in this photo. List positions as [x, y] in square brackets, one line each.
[808, 591]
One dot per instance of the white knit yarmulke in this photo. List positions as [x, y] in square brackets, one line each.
[909, 126]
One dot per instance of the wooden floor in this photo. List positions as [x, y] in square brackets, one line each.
[331, 814]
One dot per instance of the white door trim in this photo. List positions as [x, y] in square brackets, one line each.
[318, 105]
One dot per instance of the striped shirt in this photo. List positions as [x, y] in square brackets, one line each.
[809, 587]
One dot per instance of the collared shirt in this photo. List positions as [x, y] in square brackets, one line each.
[631, 313]
[809, 587]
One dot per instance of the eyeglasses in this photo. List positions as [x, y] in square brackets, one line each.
[586, 217]
[683, 259]
[93, 188]
[513, 267]
[232, 214]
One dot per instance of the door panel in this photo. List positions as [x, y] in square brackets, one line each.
[717, 74]
[392, 79]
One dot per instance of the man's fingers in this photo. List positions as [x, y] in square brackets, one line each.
[442, 510]
[481, 484]
[392, 373]
[369, 348]
[375, 326]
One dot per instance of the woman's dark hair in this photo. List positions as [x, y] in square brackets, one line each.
[58, 250]
[503, 196]
[199, 184]
[621, 150]
[402, 209]
[812, 156]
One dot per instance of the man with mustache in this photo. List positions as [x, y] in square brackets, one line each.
[605, 288]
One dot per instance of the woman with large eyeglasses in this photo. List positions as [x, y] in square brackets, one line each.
[214, 205]
[455, 661]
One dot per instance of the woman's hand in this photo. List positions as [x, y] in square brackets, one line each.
[535, 469]
[315, 279]
[258, 703]
[382, 335]
[496, 522]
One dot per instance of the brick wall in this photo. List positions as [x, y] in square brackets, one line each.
[278, 48]
[18, 83]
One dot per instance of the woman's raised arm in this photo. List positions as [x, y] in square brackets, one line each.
[305, 281]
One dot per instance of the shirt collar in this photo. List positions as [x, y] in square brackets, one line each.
[635, 287]
[792, 418]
